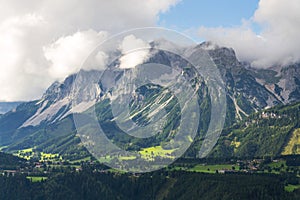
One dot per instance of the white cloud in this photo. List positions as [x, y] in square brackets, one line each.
[68, 53]
[21, 58]
[99, 62]
[39, 39]
[134, 51]
[277, 44]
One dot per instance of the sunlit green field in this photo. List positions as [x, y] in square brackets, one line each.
[36, 178]
[148, 154]
[49, 157]
[157, 151]
[294, 144]
[213, 168]
[25, 153]
[291, 188]
[31, 153]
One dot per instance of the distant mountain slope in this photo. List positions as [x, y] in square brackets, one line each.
[8, 106]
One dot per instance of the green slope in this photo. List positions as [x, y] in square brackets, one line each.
[267, 133]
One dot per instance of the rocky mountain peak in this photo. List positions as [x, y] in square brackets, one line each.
[58, 91]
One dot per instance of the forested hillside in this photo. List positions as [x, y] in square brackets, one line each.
[272, 132]
[158, 185]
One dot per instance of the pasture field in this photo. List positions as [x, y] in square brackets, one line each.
[25, 153]
[49, 157]
[36, 178]
[291, 188]
[212, 168]
[157, 151]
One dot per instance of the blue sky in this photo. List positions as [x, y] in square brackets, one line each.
[262, 32]
[209, 13]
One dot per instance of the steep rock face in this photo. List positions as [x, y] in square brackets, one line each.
[289, 84]
[56, 103]
[244, 93]
[248, 90]
[283, 82]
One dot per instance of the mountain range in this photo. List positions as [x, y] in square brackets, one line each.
[262, 114]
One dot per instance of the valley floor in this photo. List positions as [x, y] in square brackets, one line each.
[185, 179]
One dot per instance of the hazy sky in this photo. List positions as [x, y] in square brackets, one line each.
[45, 40]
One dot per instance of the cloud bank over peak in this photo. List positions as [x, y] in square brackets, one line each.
[44, 41]
[67, 53]
[134, 51]
[278, 41]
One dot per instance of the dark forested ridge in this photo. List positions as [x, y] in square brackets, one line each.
[158, 185]
[8, 161]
